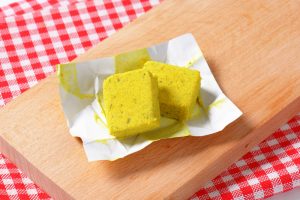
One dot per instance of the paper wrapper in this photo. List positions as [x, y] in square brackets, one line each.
[81, 92]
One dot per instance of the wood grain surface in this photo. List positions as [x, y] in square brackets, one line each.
[253, 49]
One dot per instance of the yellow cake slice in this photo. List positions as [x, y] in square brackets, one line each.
[131, 103]
[178, 89]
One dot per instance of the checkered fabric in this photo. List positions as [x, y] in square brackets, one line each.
[15, 185]
[37, 35]
[269, 168]
[32, 43]
[19, 8]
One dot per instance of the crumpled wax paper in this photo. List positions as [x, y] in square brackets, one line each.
[81, 99]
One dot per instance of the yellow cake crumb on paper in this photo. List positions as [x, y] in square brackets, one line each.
[131, 103]
[178, 89]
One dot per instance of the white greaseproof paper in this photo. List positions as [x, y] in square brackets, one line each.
[81, 92]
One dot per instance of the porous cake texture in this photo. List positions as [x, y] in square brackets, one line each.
[131, 103]
[178, 89]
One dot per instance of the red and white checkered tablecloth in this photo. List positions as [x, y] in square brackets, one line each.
[37, 35]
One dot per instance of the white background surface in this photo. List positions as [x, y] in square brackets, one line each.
[291, 195]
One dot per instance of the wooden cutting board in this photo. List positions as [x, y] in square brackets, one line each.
[253, 49]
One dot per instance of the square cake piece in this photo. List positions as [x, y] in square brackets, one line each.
[178, 89]
[131, 103]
